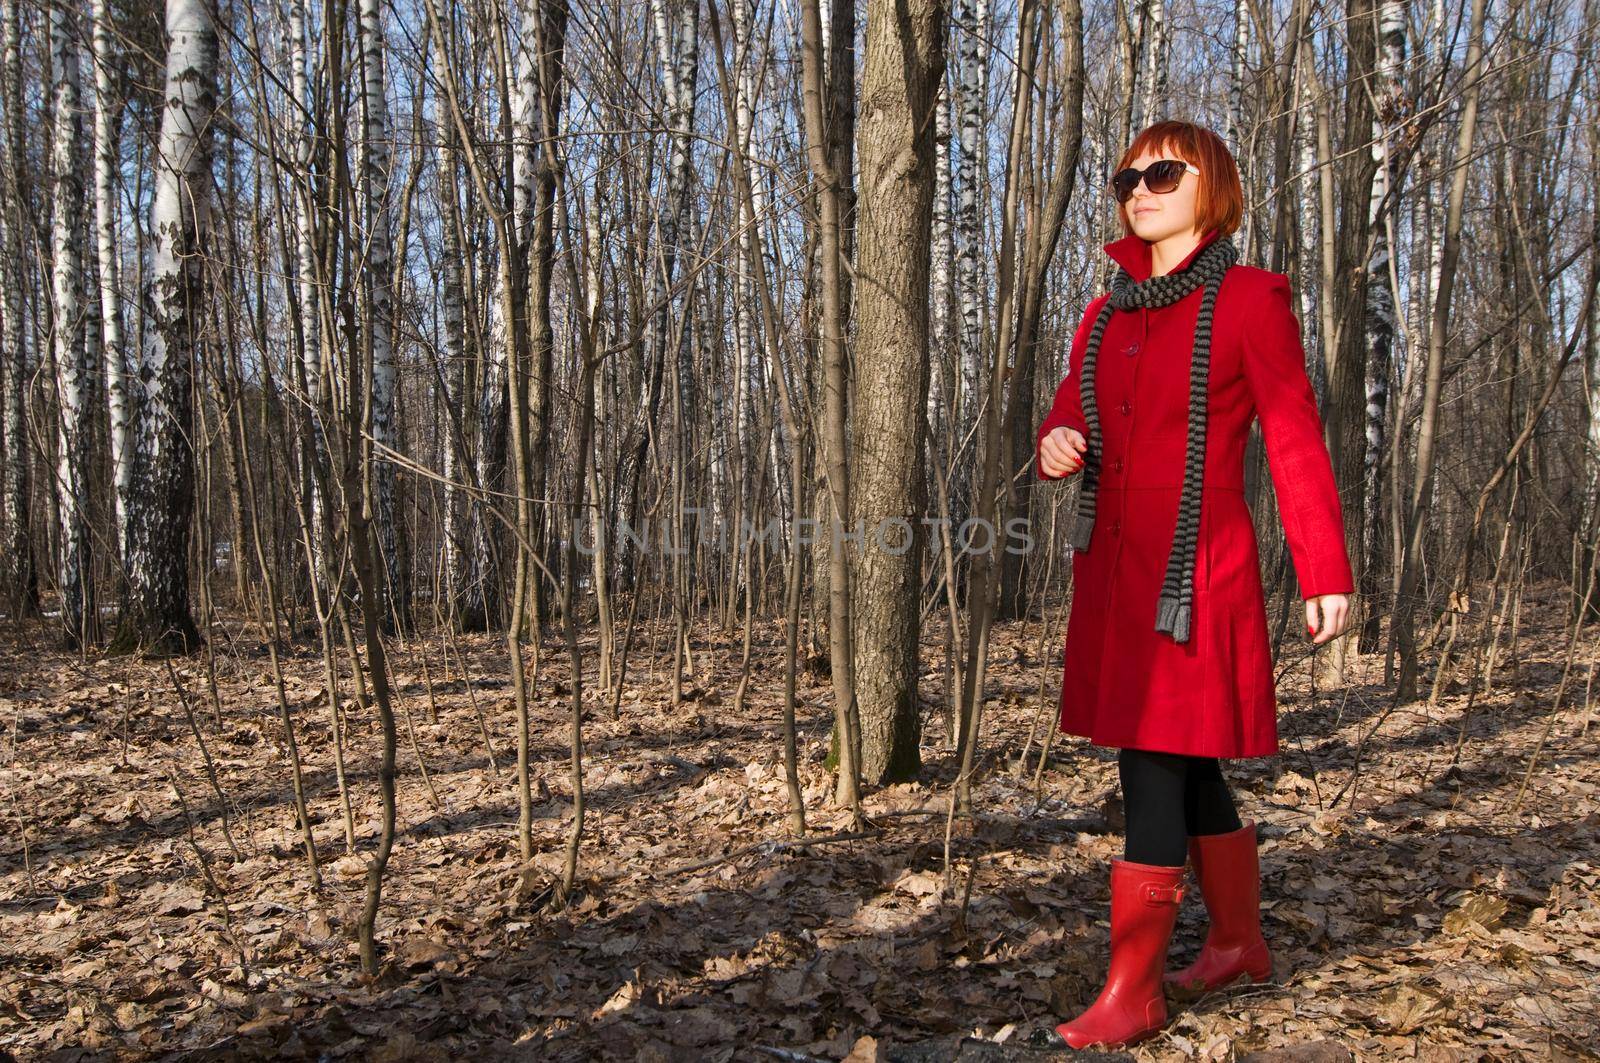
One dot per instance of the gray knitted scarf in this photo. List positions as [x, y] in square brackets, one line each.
[1173, 608]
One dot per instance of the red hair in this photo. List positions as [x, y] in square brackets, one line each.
[1219, 202]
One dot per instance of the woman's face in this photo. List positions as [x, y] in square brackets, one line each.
[1155, 217]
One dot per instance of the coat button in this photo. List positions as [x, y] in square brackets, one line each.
[1116, 466]
[1116, 527]
[1127, 407]
[1131, 349]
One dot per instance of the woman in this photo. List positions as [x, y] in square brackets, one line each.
[1167, 655]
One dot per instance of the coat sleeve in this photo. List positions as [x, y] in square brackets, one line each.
[1067, 409]
[1291, 429]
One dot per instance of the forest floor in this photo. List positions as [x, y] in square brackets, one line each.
[1428, 917]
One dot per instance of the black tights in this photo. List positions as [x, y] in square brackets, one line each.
[1169, 796]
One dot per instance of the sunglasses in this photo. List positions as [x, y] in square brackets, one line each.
[1159, 177]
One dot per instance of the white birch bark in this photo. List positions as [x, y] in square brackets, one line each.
[1422, 248]
[599, 481]
[666, 218]
[973, 61]
[161, 506]
[312, 383]
[825, 10]
[1241, 59]
[1591, 357]
[525, 123]
[453, 348]
[1310, 218]
[1389, 92]
[1436, 240]
[677, 43]
[1136, 55]
[21, 584]
[480, 597]
[969, 229]
[378, 272]
[686, 54]
[107, 122]
[1157, 50]
[73, 371]
[748, 372]
[941, 340]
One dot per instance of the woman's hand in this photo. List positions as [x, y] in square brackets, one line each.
[1335, 610]
[1061, 452]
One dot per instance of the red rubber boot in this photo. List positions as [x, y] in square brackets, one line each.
[1132, 1006]
[1230, 881]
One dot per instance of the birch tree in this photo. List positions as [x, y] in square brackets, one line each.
[155, 617]
[17, 570]
[74, 374]
[677, 40]
[1380, 318]
[973, 73]
[378, 297]
[941, 334]
[452, 334]
[107, 122]
[1236, 82]
[1157, 52]
[749, 381]
[994, 453]
[309, 372]
[543, 33]
[483, 604]
[1048, 195]
[1347, 173]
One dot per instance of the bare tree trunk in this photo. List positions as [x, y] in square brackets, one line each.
[1591, 361]
[1347, 274]
[1048, 214]
[676, 34]
[1136, 35]
[840, 644]
[456, 450]
[548, 29]
[74, 372]
[768, 318]
[1153, 95]
[358, 469]
[992, 478]
[973, 75]
[499, 408]
[942, 341]
[378, 302]
[17, 569]
[155, 617]
[107, 123]
[1404, 627]
[1241, 56]
[904, 64]
[1381, 311]
[311, 377]
[1307, 197]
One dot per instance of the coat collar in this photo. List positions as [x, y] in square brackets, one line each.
[1132, 253]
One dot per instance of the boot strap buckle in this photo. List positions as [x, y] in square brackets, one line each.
[1158, 894]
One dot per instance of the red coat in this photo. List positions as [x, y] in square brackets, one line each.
[1126, 684]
